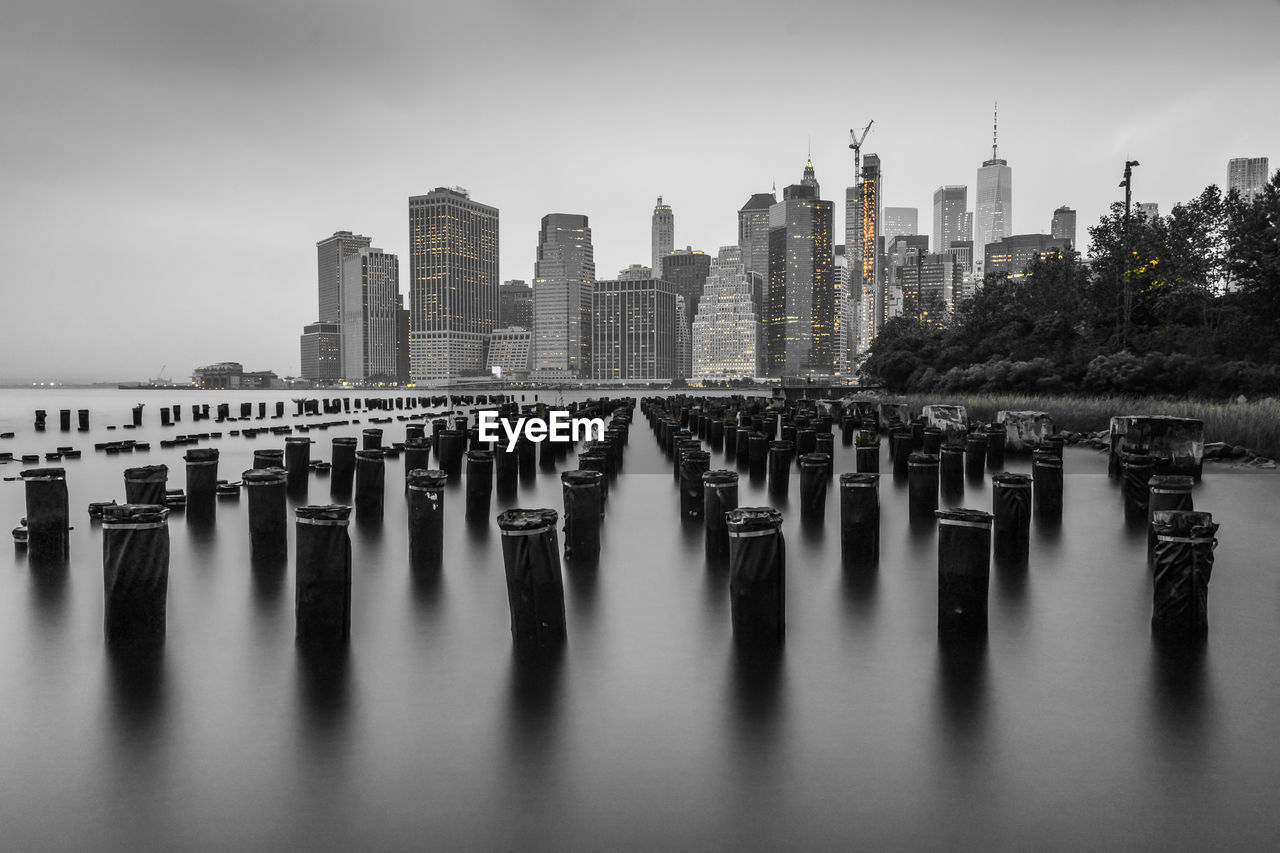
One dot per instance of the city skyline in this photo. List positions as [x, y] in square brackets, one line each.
[205, 122]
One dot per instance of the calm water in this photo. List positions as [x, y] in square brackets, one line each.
[1068, 729]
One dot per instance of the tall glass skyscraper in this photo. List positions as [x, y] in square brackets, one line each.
[562, 283]
[900, 221]
[949, 205]
[800, 319]
[370, 313]
[1248, 175]
[726, 331]
[330, 253]
[663, 236]
[633, 329]
[753, 241]
[453, 283]
[863, 232]
[993, 214]
[1063, 226]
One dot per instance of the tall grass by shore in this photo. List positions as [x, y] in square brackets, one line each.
[1256, 426]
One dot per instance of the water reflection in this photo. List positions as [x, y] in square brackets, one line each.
[962, 698]
[202, 523]
[138, 692]
[756, 675]
[427, 587]
[1180, 694]
[1010, 561]
[368, 530]
[859, 584]
[478, 527]
[534, 702]
[324, 693]
[583, 576]
[49, 594]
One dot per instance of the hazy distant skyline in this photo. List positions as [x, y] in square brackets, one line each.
[167, 168]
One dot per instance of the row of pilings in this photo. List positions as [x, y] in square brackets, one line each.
[136, 537]
[768, 439]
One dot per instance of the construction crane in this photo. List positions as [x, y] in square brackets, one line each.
[855, 142]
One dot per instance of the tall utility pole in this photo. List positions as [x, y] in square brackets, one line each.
[1127, 183]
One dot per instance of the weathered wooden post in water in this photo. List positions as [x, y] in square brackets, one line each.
[867, 453]
[1136, 470]
[146, 485]
[1046, 473]
[370, 485]
[1167, 492]
[1183, 561]
[202, 482]
[426, 519]
[859, 520]
[995, 436]
[813, 487]
[268, 515]
[535, 584]
[1011, 511]
[693, 464]
[922, 486]
[964, 571]
[583, 511]
[719, 496]
[297, 463]
[268, 458]
[780, 453]
[479, 485]
[135, 570]
[951, 470]
[322, 603]
[342, 470]
[757, 576]
[48, 516]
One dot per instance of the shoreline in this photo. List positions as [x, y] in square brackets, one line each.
[1252, 425]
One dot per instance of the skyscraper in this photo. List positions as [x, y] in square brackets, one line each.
[949, 205]
[687, 269]
[1248, 175]
[453, 283]
[1014, 254]
[370, 306]
[929, 285]
[726, 330]
[330, 253]
[753, 240]
[635, 272]
[1064, 225]
[801, 320]
[321, 347]
[664, 235]
[515, 304]
[1150, 210]
[863, 223]
[402, 341]
[900, 220]
[684, 339]
[962, 252]
[562, 283]
[509, 352]
[993, 216]
[633, 329]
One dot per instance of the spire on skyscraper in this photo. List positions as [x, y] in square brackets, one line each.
[809, 179]
[995, 130]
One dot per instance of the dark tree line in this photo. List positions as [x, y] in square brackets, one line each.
[1185, 304]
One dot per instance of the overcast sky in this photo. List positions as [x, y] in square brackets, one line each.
[166, 167]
